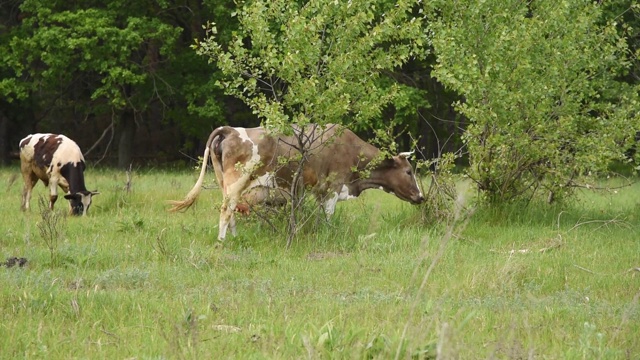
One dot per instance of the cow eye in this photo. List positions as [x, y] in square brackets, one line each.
[408, 172]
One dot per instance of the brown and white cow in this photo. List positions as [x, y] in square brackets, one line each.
[246, 164]
[57, 161]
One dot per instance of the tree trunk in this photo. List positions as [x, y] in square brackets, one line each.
[127, 137]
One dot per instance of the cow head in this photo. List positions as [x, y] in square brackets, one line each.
[80, 201]
[399, 178]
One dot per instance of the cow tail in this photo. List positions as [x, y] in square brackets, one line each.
[192, 196]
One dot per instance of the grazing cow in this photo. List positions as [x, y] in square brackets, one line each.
[248, 163]
[56, 160]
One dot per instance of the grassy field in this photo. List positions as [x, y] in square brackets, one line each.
[132, 281]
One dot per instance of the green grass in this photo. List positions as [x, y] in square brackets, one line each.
[133, 281]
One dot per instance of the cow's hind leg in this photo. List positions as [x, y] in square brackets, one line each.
[231, 199]
[30, 180]
[65, 190]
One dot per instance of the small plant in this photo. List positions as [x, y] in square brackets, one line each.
[591, 342]
[441, 195]
[183, 341]
[161, 247]
[51, 229]
[134, 224]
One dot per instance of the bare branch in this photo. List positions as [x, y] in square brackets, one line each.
[110, 140]
[104, 133]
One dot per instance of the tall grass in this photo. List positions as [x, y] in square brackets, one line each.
[133, 281]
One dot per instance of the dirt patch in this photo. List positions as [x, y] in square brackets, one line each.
[14, 261]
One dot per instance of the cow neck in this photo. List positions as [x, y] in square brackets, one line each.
[375, 180]
[73, 173]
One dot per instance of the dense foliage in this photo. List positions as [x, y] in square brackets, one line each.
[540, 86]
[316, 62]
[84, 68]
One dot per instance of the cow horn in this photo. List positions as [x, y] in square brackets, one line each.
[406, 154]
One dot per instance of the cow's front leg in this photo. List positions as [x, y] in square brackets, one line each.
[65, 190]
[329, 204]
[232, 223]
[53, 193]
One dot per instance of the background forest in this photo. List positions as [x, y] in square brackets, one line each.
[531, 94]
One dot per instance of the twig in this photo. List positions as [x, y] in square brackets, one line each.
[262, 217]
[99, 139]
[558, 222]
[543, 250]
[585, 269]
[12, 180]
[603, 222]
[592, 187]
[127, 186]
[190, 157]
[109, 143]
[110, 334]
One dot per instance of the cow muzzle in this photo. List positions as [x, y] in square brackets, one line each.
[416, 200]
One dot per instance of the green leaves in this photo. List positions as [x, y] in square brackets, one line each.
[58, 48]
[539, 82]
[316, 62]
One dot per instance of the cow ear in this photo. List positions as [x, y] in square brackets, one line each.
[95, 192]
[405, 154]
[389, 163]
[71, 196]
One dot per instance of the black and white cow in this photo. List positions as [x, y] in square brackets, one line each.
[57, 161]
